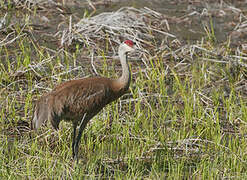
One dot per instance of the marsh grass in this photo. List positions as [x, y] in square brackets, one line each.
[183, 118]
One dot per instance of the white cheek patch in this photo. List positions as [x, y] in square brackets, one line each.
[128, 48]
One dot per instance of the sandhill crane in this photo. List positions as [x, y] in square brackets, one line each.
[80, 100]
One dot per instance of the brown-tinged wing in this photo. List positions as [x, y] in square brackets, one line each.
[85, 96]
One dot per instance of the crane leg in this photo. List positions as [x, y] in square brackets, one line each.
[78, 138]
[109, 124]
[74, 137]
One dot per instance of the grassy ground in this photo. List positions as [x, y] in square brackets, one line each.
[184, 117]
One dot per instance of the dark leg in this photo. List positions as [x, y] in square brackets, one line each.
[78, 138]
[109, 123]
[73, 138]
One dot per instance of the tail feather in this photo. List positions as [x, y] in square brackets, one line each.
[41, 113]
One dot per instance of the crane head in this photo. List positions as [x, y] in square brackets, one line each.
[128, 46]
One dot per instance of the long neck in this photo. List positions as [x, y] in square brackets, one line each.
[124, 80]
